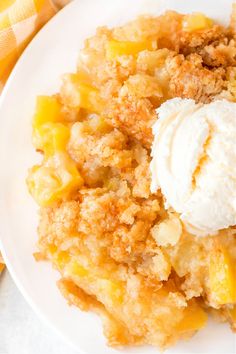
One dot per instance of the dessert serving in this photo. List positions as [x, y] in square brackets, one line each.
[136, 186]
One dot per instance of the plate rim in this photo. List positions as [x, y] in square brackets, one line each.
[42, 315]
[20, 286]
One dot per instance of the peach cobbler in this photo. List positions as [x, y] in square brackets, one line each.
[120, 249]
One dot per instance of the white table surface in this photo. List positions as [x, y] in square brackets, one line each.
[21, 331]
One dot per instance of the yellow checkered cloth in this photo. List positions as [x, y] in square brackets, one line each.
[19, 22]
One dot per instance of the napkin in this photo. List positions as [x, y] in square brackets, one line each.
[19, 22]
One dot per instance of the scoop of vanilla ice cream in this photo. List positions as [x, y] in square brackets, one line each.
[194, 162]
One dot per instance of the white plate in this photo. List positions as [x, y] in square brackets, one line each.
[53, 52]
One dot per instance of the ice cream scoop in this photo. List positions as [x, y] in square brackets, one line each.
[194, 162]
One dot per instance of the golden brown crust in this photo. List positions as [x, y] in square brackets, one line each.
[133, 117]
[189, 79]
[192, 42]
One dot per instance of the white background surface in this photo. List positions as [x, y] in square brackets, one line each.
[21, 331]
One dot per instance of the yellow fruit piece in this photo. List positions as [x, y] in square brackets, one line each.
[54, 181]
[2, 266]
[48, 109]
[83, 76]
[196, 21]
[194, 318]
[74, 268]
[222, 278]
[77, 94]
[61, 259]
[149, 61]
[5, 4]
[51, 138]
[52, 249]
[115, 48]
[113, 289]
[98, 124]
